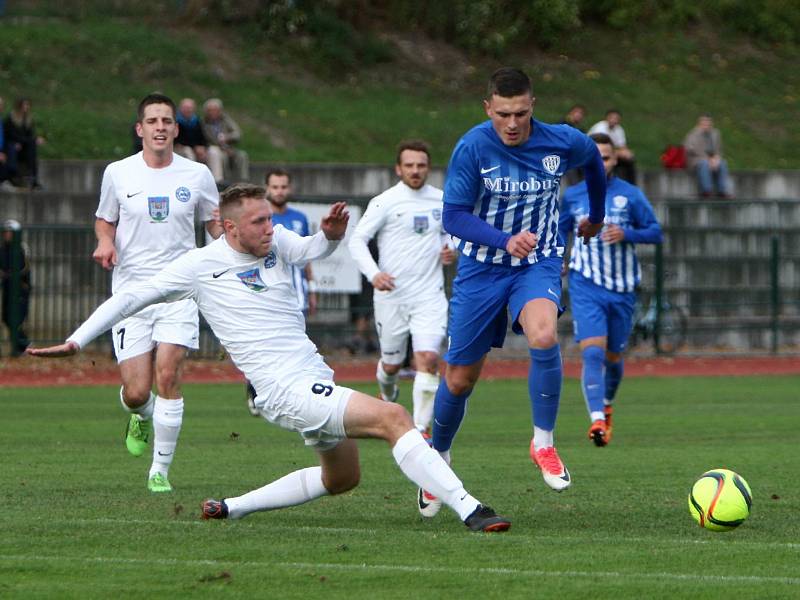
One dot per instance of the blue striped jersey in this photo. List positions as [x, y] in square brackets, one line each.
[612, 266]
[296, 221]
[515, 188]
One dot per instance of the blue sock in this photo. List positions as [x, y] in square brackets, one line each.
[614, 373]
[592, 378]
[544, 386]
[448, 412]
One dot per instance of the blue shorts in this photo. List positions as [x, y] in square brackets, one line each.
[599, 312]
[482, 293]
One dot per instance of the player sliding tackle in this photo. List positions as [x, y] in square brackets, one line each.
[242, 281]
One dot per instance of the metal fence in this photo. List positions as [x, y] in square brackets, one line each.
[727, 287]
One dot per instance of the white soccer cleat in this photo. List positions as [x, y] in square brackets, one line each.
[554, 473]
[428, 504]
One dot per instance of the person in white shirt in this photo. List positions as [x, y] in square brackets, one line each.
[409, 294]
[242, 285]
[612, 127]
[144, 221]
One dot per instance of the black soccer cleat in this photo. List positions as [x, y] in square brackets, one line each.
[485, 519]
[215, 509]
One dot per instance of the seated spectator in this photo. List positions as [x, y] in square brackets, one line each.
[8, 160]
[612, 127]
[703, 146]
[19, 134]
[191, 142]
[575, 116]
[222, 133]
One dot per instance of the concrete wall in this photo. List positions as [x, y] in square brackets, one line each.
[367, 180]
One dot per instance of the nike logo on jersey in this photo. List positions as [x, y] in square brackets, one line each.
[135, 194]
[489, 170]
[549, 291]
[220, 274]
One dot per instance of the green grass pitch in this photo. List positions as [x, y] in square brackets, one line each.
[78, 521]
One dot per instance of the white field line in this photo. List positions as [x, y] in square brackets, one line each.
[457, 531]
[363, 567]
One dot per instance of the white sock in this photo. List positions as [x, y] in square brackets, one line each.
[167, 419]
[387, 383]
[597, 415]
[423, 394]
[290, 490]
[145, 411]
[423, 465]
[542, 438]
[607, 402]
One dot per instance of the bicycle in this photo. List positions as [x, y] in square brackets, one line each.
[668, 329]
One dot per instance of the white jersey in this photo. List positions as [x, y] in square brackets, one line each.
[155, 211]
[249, 303]
[408, 224]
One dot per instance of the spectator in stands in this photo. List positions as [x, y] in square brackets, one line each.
[223, 134]
[19, 132]
[191, 142]
[575, 116]
[612, 127]
[9, 261]
[703, 146]
[8, 163]
[136, 141]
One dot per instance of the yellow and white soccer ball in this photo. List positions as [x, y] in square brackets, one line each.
[720, 500]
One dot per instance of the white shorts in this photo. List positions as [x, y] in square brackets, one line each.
[170, 323]
[425, 321]
[314, 408]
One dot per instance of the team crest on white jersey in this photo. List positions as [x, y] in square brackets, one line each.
[551, 163]
[252, 279]
[437, 214]
[420, 223]
[620, 201]
[158, 207]
[270, 260]
[183, 194]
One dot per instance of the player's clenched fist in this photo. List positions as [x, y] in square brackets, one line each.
[105, 255]
[521, 244]
[587, 230]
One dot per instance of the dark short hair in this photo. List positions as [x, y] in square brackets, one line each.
[416, 145]
[278, 172]
[614, 110]
[154, 98]
[233, 196]
[602, 138]
[508, 82]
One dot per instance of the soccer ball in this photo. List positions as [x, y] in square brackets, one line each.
[720, 500]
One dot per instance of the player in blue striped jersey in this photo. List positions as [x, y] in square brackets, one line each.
[501, 206]
[603, 276]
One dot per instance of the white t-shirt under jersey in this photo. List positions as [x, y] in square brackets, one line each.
[249, 303]
[155, 211]
[408, 224]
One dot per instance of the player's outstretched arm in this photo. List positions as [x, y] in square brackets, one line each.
[68, 348]
[334, 224]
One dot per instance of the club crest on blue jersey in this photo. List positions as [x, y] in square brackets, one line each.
[158, 207]
[551, 163]
[270, 260]
[437, 214]
[183, 194]
[420, 223]
[620, 201]
[253, 280]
